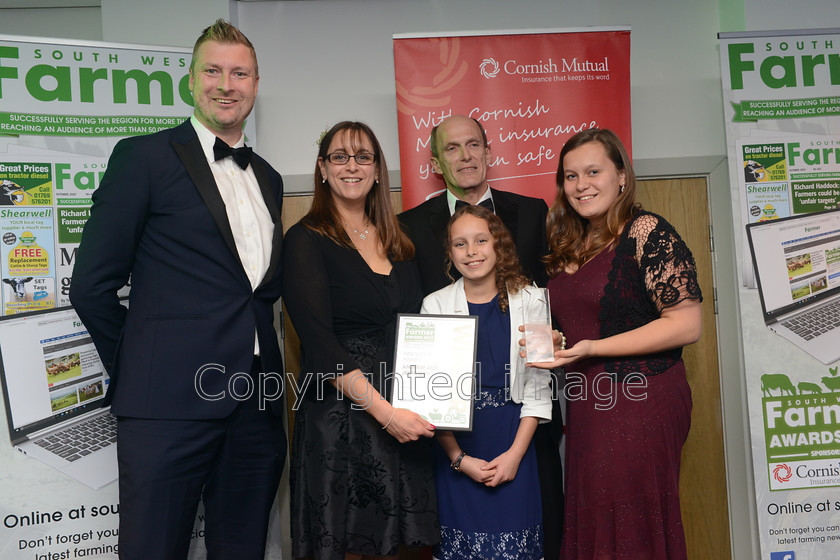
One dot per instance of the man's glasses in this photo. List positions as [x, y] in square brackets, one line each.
[340, 158]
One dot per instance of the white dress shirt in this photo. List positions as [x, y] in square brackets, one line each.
[452, 199]
[250, 222]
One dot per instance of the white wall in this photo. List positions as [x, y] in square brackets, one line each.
[764, 15]
[67, 23]
[172, 22]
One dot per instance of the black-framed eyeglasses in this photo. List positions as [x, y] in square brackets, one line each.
[340, 158]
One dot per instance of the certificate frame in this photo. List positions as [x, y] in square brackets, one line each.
[434, 368]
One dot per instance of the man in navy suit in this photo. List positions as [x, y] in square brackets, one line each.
[461, 154]
[193, 218]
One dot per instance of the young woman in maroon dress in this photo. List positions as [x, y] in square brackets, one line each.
[624, 292]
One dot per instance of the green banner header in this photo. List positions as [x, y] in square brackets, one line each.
[19, 124]
[763, 109]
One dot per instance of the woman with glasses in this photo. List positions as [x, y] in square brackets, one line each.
[361, 477]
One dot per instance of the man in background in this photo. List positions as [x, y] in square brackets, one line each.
[460, 154]
[192, 216]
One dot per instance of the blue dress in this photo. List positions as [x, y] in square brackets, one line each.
[478, 521]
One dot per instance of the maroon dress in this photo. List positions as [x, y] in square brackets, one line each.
[622, 453]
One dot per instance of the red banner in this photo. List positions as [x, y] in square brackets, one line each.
[530, 91]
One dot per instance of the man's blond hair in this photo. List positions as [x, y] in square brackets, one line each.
[223, 32]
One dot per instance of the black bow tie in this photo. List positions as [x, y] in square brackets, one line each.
[487, 203]
[242, 156]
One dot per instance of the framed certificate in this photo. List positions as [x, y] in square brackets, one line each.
[434, 368]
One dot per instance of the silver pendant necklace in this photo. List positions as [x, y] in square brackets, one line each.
[363, 235]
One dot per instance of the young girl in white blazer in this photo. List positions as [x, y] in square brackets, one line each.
[487, 485]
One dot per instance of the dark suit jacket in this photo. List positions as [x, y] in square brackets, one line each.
[158, 217]
[524, 217]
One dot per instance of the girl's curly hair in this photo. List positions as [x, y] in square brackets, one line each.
[509, 275]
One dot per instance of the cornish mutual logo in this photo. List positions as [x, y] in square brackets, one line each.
[489, 68]
[782, 473]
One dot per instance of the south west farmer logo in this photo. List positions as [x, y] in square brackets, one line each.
[419, 332]
[782, 473]
[489, 68]
[802, 428]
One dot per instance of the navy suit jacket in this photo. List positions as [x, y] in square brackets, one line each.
[158, 218]
[524, 216]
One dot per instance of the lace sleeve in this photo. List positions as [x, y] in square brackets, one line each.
[666, 263]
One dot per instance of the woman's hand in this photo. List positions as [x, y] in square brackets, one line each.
[406, 425]
[505, 467]
[677, 326]
[581, 350]
[477, 469]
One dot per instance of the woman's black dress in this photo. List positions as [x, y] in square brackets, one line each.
[354, 488]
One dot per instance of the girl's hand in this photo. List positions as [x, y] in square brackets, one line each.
[581, 350]
[406, 425]
[505, 467]
[477, 469]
